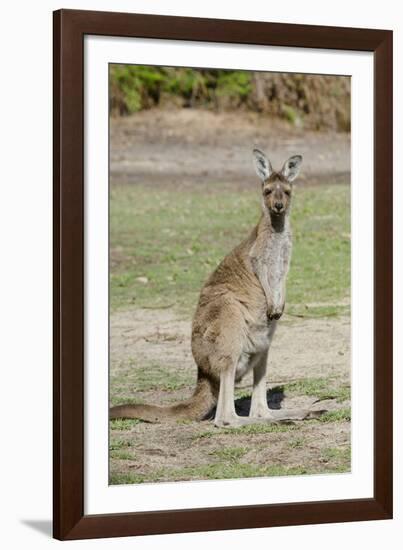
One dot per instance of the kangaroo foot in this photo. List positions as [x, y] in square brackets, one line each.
[239, 421]
[272, 417]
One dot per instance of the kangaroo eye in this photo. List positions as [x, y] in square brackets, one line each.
[288, 193]
[267, 192]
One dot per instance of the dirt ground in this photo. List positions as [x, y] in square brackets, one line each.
[143, 340]
[189, 146]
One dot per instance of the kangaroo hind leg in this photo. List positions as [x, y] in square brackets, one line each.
[259, 407]
[226, 415]
[259, 410]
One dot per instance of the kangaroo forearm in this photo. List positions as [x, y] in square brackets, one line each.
[279, 297]
[275, 299]
[268, 295]
[262, 276]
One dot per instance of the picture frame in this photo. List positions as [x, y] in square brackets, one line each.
[70, 28]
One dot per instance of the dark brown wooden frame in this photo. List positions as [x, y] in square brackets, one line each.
[70, 27]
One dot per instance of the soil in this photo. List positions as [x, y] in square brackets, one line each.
[141, 338]
[188, 146]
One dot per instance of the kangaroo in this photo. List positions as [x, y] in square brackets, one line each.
[237, 314]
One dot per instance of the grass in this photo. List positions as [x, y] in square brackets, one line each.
[122, 455]
[229, 466]
[322, 388]
[133, 383]
[145, 377]
[340, 415]
[224, 460]
[117, 444]
[151, 376]
[164, 244]
[252, 429]
[175, 239]
[121, 449]
[231, 454]
[337, 458]
[218, 470]
[123, 424]
[233, 463]
[296, 443]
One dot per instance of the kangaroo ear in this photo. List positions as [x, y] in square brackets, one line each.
[262, 165]
[291, 167]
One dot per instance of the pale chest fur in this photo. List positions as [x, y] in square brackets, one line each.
[276, 257]
[270, 256]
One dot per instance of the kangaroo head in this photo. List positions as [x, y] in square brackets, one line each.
[276, 186]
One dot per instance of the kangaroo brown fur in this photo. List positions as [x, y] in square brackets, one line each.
[237, 314]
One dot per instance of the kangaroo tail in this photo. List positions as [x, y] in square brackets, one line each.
[197, 407]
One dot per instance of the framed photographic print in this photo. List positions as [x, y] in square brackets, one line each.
[222, 274]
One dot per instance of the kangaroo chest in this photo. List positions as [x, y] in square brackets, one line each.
[275, 260]
[270, 261]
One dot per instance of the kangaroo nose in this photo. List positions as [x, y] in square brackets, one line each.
[278, 205]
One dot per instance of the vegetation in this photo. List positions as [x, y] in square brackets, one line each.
[164, 246]
[123, 423]
[322, 388]
[339, 415]
[233, 463]
[252, 429]
[314, 101]
[137, 87]
[219, 470]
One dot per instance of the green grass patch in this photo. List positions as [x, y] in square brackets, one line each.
[337, 459]
[341, 415]
[230, 453]
[176, 239]
[219, 470]
[322, 388]
[127, 478]
[252, 429]
[158, 377]
[146, 377]
[123, 424]
[118, 444]
[296, 443]
[122, 454]
[243, 393]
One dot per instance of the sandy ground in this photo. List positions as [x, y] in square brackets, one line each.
[154, 345]
[161, 336]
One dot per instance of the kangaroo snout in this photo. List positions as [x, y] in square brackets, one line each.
[278, 206]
